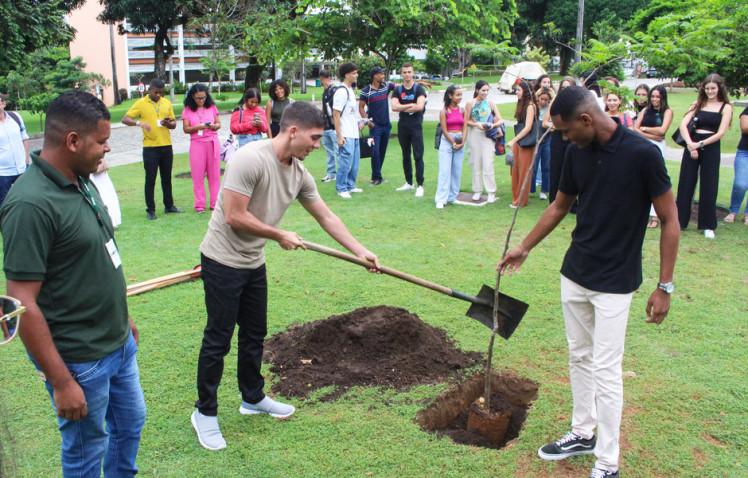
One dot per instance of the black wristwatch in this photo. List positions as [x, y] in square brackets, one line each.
[667, 287]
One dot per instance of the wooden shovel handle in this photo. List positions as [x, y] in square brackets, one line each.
[384, 270]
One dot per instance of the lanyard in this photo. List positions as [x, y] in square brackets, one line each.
[156, 106]
[86, 193]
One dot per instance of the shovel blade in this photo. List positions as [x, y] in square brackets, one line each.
[511, 311]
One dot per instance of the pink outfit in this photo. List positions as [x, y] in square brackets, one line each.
[455, 119]
[205, 159]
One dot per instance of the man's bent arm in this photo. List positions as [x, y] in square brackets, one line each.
[239, 218]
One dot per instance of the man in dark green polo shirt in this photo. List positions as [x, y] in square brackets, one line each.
[62, 262]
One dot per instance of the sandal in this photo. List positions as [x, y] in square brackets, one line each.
[730, 218]
[654, 223]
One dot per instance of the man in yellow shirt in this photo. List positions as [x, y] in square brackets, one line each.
[155, 115]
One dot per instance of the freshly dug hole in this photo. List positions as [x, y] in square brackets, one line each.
[371, 346]
[511, 397]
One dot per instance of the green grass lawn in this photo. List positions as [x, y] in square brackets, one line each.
[686, 410]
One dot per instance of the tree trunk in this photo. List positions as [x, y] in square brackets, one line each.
[159, 59]
[253, 73]
[564, 60]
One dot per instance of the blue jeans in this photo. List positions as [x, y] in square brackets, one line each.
[330, 143]
[5, 183]
[243, 139]
[450, 172]
[116, 414]
[349, 156]
[544, 153]
[740, 184]
[381, 135]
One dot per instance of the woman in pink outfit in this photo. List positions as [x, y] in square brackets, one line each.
[200, 120]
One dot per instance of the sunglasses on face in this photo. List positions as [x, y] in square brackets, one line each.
[12, 310]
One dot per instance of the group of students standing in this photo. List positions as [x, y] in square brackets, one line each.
[477, 127]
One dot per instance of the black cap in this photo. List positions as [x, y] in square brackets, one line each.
[376, 70]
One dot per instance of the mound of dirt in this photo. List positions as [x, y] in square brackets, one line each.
[371, 346]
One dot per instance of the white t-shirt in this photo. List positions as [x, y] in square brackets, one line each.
[345, 101]
[12, 152]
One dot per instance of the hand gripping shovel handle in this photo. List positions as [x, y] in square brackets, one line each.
[389, 271]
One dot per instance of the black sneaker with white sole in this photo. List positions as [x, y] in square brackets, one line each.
[566, 446]
[600, 473]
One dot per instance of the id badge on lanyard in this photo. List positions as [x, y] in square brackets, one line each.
[109, 246]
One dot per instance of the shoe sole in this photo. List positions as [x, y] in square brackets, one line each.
[245, 411]
[202, 443]
[563, 456]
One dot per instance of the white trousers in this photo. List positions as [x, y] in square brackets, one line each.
[481, 160]
[596, 331]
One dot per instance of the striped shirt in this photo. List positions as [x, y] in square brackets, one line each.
[377, 103]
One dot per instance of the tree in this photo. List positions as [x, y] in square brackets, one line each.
[552, 24]
[689, 39]
[31, 24]
[216, 20]
[388, 28]
[157, 17]
[44, 74]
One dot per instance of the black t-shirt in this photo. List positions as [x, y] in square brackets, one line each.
[408, 96]
[744, 136]
[615, 184]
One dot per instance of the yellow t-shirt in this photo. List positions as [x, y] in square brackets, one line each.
[149, 112]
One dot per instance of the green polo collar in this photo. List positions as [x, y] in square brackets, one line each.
[50, 171]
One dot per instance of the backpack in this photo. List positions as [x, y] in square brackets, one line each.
[327, 99]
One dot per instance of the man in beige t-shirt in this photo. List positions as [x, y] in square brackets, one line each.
[261, 182]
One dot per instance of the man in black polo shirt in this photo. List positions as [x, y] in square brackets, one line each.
[616, 175]
[62, 263]
[409, 99]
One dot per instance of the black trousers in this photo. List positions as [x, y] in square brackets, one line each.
[705, 169]
[158, 159]
[232, 297]
[411, 136]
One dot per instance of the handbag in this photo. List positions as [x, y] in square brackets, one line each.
[228, 148]
[364, 146]
[499, 144]
[532, 137]
[679, 139]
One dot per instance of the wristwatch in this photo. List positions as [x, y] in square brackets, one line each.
[667, 287]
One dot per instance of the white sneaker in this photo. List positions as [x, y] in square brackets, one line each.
[345, 195]
[208, 432]
[405, 187]
[356, 190]
[512, 206]
[476, 196]
[440, 205]
[419, 192]
[708, 233]
[543, 196]
[491, 198]
[269, 406]
[328, 178]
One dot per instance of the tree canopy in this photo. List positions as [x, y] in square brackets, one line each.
[156, 17]
[28, 25]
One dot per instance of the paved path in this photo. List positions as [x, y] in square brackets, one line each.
[127, 147]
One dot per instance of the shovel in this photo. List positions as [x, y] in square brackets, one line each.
[511, 310]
